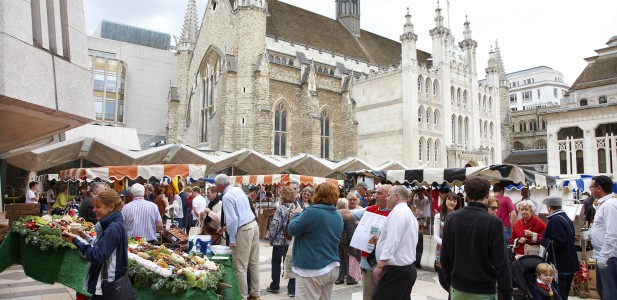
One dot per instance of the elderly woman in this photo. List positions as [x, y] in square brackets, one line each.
[527, 230]
[344, 250]
[305, 197]
[278, 240]
[317, 230]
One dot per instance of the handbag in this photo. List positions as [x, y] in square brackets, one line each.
[532, 249]
[216, 237]
[288, 273]
[119, 289]
[354, 267]
[197, 229]
[554, 264]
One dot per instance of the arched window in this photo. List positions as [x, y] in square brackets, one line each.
[583, 102]
[570, 145]
[458, 97]
[420, 114]
[280, 129]
[484, 104]
[419, 84]
[518, 146]
[522, 126]
[420, 145]
[485, 128]
[452, 95]
[453, 129]
[325, 134]
[465, 99]
[428, 116]
[540, 144]
[435, 87]
[429, 145]
[427, 86]
[480, 128]
[466, 131]
[602, 100]
[203, 114]
[491, 131]
[436, 151]
[543, 124]
[460, 130]
[490, 104]
[435, 117]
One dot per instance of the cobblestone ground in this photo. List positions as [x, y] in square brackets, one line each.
[15, 285]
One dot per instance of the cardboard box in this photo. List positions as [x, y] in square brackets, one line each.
[591, 280]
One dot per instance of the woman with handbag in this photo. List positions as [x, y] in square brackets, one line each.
[344, 250]
[451, 204]
[211, 216]
[528, 230]
[107, 254]
[279, 240]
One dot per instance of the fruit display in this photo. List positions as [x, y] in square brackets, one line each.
[45, 231]
[157, 266]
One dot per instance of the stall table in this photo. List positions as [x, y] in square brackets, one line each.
[67, 267]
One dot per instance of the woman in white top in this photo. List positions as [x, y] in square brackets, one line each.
[212, 216]
[449, 206]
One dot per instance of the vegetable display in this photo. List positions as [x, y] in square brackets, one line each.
[45, 231]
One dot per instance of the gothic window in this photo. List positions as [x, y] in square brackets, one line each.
[491, 131]
[480, 128]
[460, 130]
[435, 117]
[325, 134]
[429, 145]
[485, 128]
[465, 99]
[427, 86]
[602, 100]
[435, 87]
[420, 145]
[543, 124]
[420, 114]
[277, 60]
[484, 104]
[518, 146]
[570, 145]
[466, 131]
[540, 144]
[420, 84]
[452, 95]
[458, 97]
[284, 61]
[583, 102]
[490, 104]
[270, 58]
[522, 126]
[280, 129]
[428, 116]
[436, 151]
[453, 129]
[203, 114]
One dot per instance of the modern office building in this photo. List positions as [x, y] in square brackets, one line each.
[132, 69]
[582, 133]
[536, 87]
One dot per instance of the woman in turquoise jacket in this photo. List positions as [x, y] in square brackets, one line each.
[317, 230]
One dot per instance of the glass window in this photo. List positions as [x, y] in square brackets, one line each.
[99, 64]
[280, 130]
[428, 150]
[325, 134]
[110, 110]
[563, 163]
[99, 80]
[436, 151]
[112, 66]
[420, 145]
[110, 85]
[580, 166]
[601, 160]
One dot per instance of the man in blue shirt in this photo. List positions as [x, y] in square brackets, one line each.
[243, 235]
[361, 189]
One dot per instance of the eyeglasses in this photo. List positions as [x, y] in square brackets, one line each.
[494, 207]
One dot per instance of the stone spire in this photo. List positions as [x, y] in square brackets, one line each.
[190, 28]
[438, 17]
[468, 45]
[500, 67]
[408, 41]
[495, 72]
[440, 35]
[467, 31]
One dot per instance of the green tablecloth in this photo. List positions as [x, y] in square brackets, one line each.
[68, 268]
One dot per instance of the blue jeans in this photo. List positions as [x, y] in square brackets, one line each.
[278, 253]
[606, 280]
[507, 233]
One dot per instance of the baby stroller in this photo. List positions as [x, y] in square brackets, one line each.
[524, 276]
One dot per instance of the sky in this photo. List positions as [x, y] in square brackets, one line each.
[554, 33]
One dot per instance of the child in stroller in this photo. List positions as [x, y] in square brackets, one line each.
[525, 277]
[544, 288]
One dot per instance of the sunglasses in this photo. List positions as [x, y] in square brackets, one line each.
[494, 207]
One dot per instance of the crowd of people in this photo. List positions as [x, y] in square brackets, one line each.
[312, 228]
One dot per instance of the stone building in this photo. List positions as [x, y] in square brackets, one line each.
[279, 79]
[582, 133]
[429, 110]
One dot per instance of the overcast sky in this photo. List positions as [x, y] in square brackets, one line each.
[555, 33]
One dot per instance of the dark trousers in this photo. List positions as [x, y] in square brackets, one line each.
[395, 283]
[343, 254]
[442, 279]
[278, 253]
[565, 281]
[419, 250]
[606, 280]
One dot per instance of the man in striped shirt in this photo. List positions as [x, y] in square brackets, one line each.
[141, 217]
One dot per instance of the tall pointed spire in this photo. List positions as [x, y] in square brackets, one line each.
[500, 67]
[408, 41]
[190, 28]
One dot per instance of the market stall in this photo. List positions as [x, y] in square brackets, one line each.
[275, 180]
[135, 171]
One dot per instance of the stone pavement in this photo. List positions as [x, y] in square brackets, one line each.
[15, 285]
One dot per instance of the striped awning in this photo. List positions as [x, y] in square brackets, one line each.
[436, 176]
[132, 172]
[276, 179]
[578, 182]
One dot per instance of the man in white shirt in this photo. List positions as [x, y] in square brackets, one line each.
[33, 193]
[395, 272]
[604, 236]
[199, 204]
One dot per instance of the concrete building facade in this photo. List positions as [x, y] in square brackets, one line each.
[582, 133]
[536, 87]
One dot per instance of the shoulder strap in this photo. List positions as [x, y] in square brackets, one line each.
[122, 236]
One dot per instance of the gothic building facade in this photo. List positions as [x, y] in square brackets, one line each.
[279, 79]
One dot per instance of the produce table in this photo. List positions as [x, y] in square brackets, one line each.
[68, 268]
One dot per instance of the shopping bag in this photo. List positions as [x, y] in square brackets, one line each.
[354, 267]
[532, 249]
[196, 230]
[287, 272]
